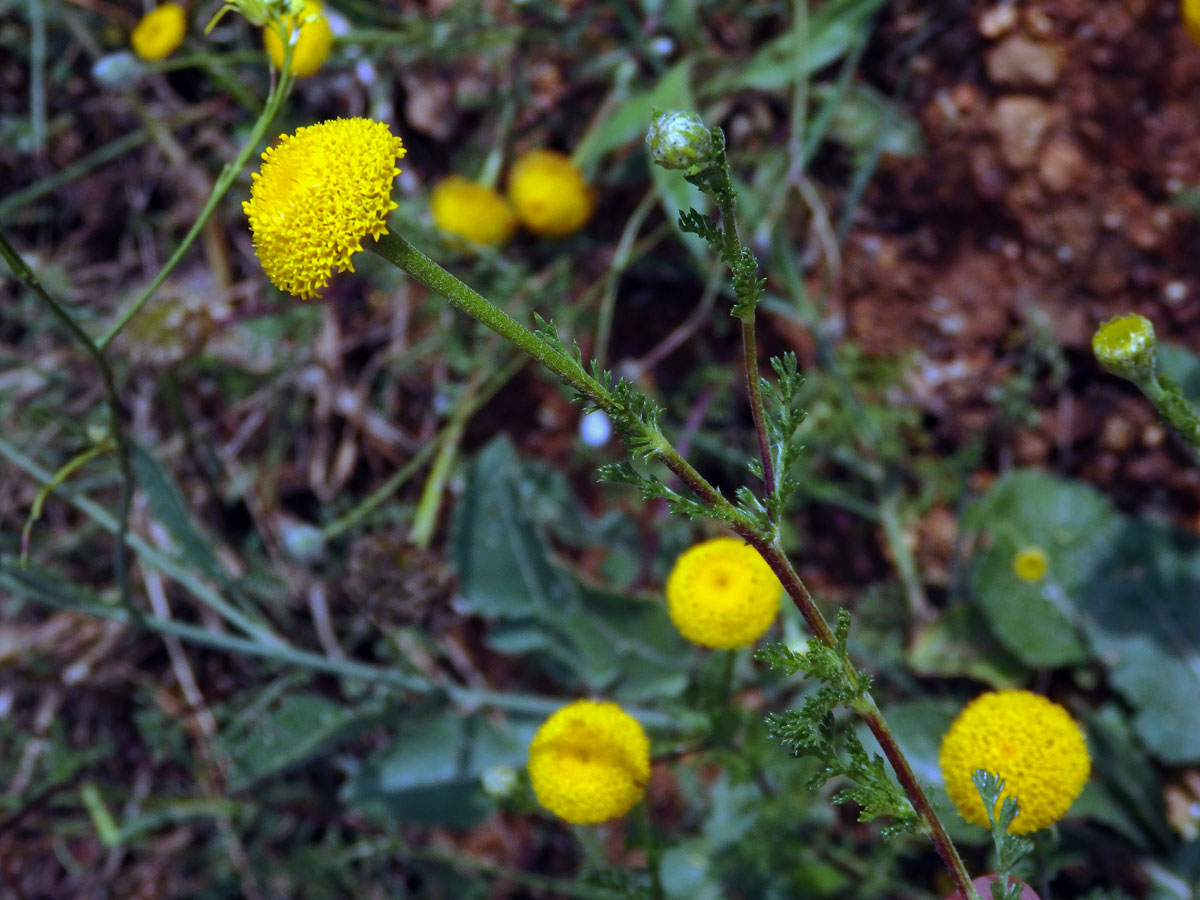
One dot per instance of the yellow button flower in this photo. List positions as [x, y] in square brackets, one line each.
[589, 762]
[1030, 564]
[471, 211]
[312, 46]
[320, 193]
[160, 32]
[1030, 742]
[549, 194]
[721, 593]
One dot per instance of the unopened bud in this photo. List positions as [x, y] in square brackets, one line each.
[1126, 346]
[678, 140]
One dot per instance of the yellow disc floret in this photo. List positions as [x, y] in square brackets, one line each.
[590, 761]
[160, 32]
[1030, 742]
[721, 593]
[471, 211]
[1030, 564]
[312, 45]
[320, 193]
[549, 193]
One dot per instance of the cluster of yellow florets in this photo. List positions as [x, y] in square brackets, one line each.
[1030, 742]
[159, 32]
[320, 192]
[721, 593]
[589, 762]
[547, 193]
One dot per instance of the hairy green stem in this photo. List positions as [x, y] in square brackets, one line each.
[1168, 399]
[754, 389]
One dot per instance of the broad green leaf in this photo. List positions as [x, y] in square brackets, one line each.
[866, 122]
[1124, 791]
[685, 871]
[495, 548]
[169, 507]
[430, 773]
[1143, 623]
[832, 30]
[302, 725]
[629, 119]
[1075, 527]
[957, 643]
[1181, 365]
[583, 635]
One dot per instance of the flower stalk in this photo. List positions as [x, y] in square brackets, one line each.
[400, 252]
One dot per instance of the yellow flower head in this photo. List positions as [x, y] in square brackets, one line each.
[1030, 564]
[722, 594]
[1030, 742]
[549, 194]
[321, 191]
[469, 210]
[1191, 18]
[160, 32]
[312, 46]
[589, 762]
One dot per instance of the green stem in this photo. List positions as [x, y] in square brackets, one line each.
[224, 182]
[65, 471]
[22, 270]
[1168, 399]
[148, 553]
[754, 390]
[383, 493]
[398, 251]
[24, 583]
[425, 518]
[94, 160]
[724, 194]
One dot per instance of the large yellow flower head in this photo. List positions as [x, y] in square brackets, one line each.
[721, 593]
[472, 211]
[312, 45]
[160, 32]
[321, 191]
[589, 762]
[1030, 742]
[549, 193]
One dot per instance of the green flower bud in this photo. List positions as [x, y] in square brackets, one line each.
[1126, 346]
[679, 140]
[258, 12]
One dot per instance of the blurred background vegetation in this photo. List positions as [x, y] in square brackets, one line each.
[368, 554]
